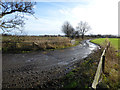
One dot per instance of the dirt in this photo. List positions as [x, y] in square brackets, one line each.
[30, 70]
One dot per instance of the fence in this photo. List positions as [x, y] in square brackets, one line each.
[100, 68]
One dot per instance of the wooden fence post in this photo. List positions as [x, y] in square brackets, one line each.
[108, 45]
[99, 70]
[103, 64]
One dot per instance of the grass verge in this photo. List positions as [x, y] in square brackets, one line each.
[111, 77]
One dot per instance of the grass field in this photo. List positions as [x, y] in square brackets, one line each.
[113, 41]
[29, 43]
[99, 41]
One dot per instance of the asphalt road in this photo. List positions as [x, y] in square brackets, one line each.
[31, 69]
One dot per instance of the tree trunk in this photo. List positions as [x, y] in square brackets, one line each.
[82, 36]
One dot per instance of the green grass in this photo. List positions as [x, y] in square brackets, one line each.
[113, 41]
[72, 84]
[99, 41]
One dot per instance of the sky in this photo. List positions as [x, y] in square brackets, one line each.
[101, 15]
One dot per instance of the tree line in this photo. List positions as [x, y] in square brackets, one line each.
[80, 30]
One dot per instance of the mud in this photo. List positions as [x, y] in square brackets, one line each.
[29, 70]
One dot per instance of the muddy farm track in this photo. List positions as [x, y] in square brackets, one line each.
[31, 69]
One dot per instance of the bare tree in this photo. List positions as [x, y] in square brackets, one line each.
[67, 29]
[17, 11]
[83, 27]
[76, 34]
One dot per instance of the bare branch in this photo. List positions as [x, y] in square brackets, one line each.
[83, 27]
[67, 29]
[17, 20]
[11, 7]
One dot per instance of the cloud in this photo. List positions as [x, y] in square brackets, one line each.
[63, 11]
[101, 15]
